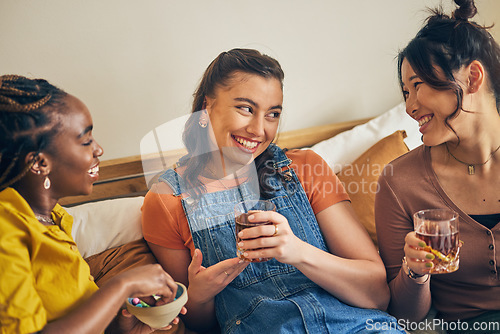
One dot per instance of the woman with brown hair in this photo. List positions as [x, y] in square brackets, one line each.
[323, 274]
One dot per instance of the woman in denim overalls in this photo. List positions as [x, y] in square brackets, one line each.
[324, 275]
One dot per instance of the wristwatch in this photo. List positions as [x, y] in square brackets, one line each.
[413, 275]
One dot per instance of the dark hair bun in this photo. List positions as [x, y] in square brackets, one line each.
[466, 10]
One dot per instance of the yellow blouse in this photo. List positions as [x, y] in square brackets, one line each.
[42, 275]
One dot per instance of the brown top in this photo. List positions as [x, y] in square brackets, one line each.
[409, 184]
[165, 224]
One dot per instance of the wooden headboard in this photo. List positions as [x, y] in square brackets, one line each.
[124, 177]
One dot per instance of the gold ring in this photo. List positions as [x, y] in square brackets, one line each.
[275, 230]
[225, 272]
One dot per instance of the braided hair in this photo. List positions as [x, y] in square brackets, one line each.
[28, 123]
[449, 43]
[219, 74]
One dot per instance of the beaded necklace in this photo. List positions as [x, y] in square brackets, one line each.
[44, 219]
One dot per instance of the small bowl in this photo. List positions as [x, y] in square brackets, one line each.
[160, 316]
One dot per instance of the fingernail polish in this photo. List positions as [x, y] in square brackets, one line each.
[429, 264]
[421, 244]
[430, 256]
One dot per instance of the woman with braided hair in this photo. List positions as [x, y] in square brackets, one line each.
[450, 79]
[48, 152]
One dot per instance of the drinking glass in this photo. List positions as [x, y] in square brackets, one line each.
[241, 212]
[438, 228]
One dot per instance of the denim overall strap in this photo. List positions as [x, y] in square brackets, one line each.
[174, 180]
[289, 193]
[269, 297]
[281, 160]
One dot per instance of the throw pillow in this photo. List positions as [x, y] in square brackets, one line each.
[102, 225]
[345, 147]
[360, 177]
[114, 261]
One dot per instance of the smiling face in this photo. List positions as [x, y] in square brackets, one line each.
[429, 107]
[245, 115]
[73, 153]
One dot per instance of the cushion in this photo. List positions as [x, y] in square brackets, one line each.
[360, 178]
[345, 147]
[102, 225]
[111, 262]
[106, 265]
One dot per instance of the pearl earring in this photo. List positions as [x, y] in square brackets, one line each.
[203, 122]
[46, 183]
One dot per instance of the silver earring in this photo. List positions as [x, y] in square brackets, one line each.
[203, 122]
[46, 183]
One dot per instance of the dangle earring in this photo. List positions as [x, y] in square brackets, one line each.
[46, 183]
[203, 122]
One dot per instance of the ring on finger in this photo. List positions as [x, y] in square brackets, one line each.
[275, 230]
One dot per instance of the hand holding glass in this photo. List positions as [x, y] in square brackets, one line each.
[241, 212]
[438, 228]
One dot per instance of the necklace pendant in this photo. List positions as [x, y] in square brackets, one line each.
[472, 170]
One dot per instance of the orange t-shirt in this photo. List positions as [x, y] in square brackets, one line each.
[164, 222]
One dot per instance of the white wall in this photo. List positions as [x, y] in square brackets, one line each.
[136, 63]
